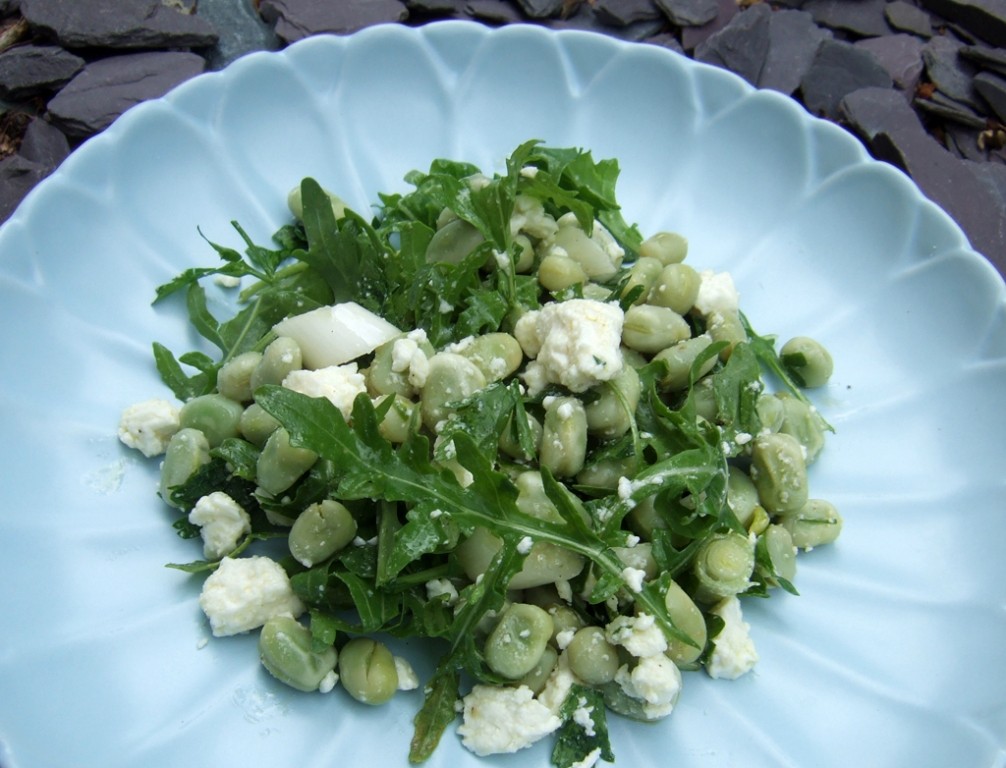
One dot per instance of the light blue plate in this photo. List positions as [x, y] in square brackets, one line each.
[895, 653]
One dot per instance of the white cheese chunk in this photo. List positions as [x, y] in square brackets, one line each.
[502, 719]
[148, 426]
[243, 593]
[734, 653]
[339, 384]
[222, 522]
[639, 635]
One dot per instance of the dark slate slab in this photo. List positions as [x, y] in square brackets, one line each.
[900, 55]
[950, 111]
[689, 13]
[493, 12]
[949, 71]
[993, 59]
[992, 88]
[28, 70]
[742, 45]
[242, 30]
[666, 40]
[864, 18]
[8, 7]
[893, 132]
[985, 19]
[793, 42]
[434, 7]
[904, 16]
[17, 177]
[586, 18]
[622, 13]
[839, 68]
[107, 87]
[963, 142]
[44, 143]
[725, 12]
[541, 9]
[118, 24]
[296, 19]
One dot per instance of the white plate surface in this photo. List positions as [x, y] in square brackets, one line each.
[894, 654]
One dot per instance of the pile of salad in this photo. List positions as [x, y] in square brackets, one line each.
[494, 416]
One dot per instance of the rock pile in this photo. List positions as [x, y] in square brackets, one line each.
[921, 82]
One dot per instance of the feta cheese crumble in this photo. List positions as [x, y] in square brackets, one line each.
[734, 653]
[148, 426]
[504, 719]
[339, 384]
[222, 522]
[243, 593]
[639, 635]
[655, 681]
[576, 343]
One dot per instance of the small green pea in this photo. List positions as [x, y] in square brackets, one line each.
[367, 671]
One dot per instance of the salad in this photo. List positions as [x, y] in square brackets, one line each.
[496, 417]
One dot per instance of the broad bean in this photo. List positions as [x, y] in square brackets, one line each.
[320, 531]
[280, 358]
[680, 359]
[723, 566]
[564, 436]
[667, 247]
[816, 522]
[676, 287]
[591, 657]
[281, 464]
[451, 378]
[779, 472]
[286, 649]
[807, 360]
[257, 424]
[687, 617]
[516, 644]
[611, 414]
[234, 376]
[453, 242]
[216, 416]
[649, 328]
[188, 449]
[367, 671]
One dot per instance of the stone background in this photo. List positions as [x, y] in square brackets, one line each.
[922, 83]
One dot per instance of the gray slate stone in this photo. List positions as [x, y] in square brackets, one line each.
[296, 19]
[541, 9]
[118, 24]
[985, 19]
[17, 177]
[493, 11]
[900, 55]
[666, 40]
[587, 19]
[8, 7]
[28, 70]
[993, 59]
[434, 7]
[950, 111]
[793, 42]
[910, 18]
[948, 70]
[622, 13]
[864, 18]
[839, 68]
[689, 13]
[108, 87]
[893, 132]
[725, 12]
[741, 46]
[242, 31]
[44, 143]
[992, 88]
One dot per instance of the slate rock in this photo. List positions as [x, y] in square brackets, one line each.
[434, 7]
[242, 30]
[17, 177]
[587, 19]
[793, 42]
[541, 9]
[28, 70]
[8, 7]
[107, 87]
[725, 12]
[296, 19]
[985, 19]
[666, 40]
[839, 68]
[44, 143]
[993, 59]
[950, 111]
[864, 18]
[622, 13]
[742, 45]
[493, 12]
[992, 88]
[905, 17]
[893, 132]
[948, 70]
[900, 55]
[118, 24]
[689, 13]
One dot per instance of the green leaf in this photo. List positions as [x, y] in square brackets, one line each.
[584, 728]
[436, 713]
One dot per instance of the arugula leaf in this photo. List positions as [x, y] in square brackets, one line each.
[437, 711]
[584, 728]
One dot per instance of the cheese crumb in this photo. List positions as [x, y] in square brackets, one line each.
[734, 653]
[222, 522]
[339, 384]
[243, 593]
[504, 719]
[148, 426]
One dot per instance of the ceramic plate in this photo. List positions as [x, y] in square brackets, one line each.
[894, 653]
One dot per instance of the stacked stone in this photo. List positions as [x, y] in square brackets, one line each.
[921, 82]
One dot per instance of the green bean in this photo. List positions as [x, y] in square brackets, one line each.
[687, 617]
[676, 287]
[723, 566]
[779, 472]
[667, 247]
[815, 523]
[451, 378]
[557, 272]
[517, 642]
[257, 424]
[453, 242]
[367, 671]
[216, 416]
[611, 414]
[649, 328]
[234, 376]
[564, 436]
[286, 649]
[188, 449]
[807, 361]
[680, 359]
[279, 359]
[281, 464]
[591, 657]
[320, 531]
[497, 355]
